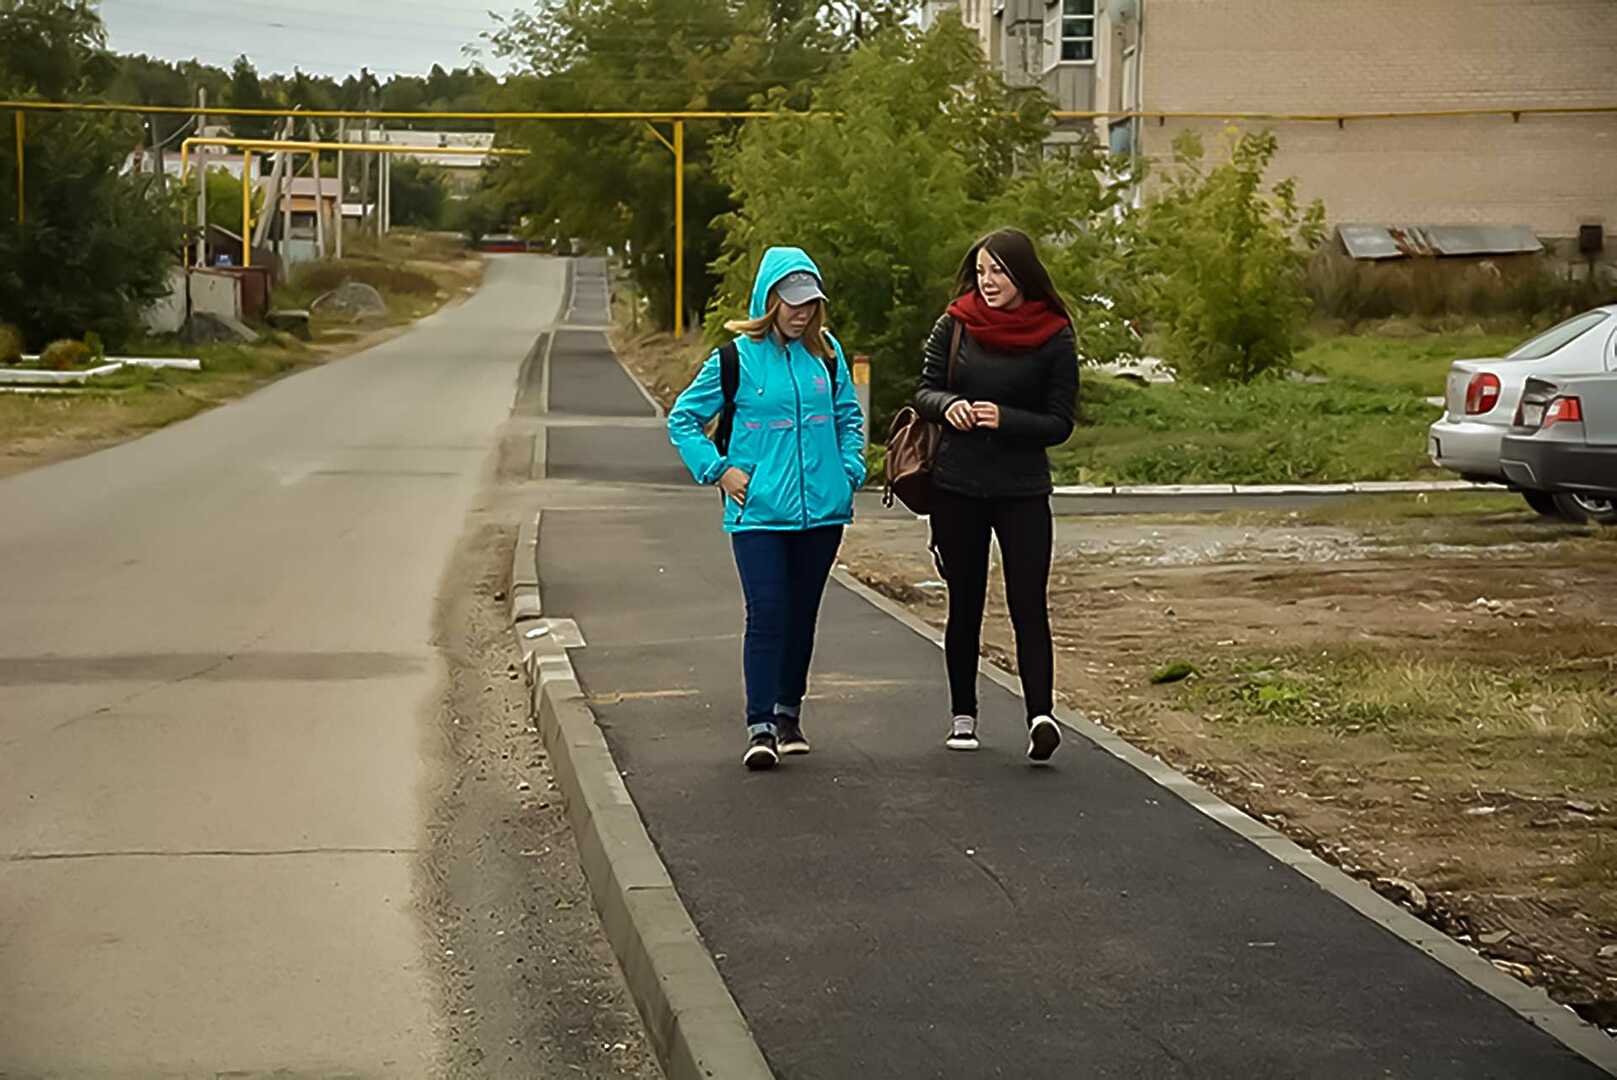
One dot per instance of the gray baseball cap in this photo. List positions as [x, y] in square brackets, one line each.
[799, 287]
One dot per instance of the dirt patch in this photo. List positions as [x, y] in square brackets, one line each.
[1438, 719]
[530, 986]
[662, 363]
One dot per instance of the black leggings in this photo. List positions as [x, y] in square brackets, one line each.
[960, 530]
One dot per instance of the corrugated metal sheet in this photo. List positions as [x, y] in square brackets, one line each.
[1405, 241]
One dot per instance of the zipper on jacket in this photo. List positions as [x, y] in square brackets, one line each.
[802, 466]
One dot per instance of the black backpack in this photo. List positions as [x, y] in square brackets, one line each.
[730, 385]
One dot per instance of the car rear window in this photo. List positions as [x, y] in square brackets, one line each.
[1558, 336]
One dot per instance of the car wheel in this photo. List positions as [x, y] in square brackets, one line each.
[1583, 509]
[1543, 502]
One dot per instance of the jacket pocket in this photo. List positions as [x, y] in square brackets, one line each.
[774, 494]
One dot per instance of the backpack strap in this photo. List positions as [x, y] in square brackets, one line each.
[831, 362]
[729, 386]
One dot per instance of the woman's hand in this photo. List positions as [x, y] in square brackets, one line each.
[734, 484]
[961, 415]
[985, 413]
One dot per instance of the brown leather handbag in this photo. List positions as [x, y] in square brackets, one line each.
[912, 448]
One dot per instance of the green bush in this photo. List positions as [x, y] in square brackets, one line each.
[10, 344]
[98, 242]
[1224, 262]
[918, 148]
[65, 355]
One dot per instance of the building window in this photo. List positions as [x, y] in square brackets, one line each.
[1077, 30]
[1069, 33]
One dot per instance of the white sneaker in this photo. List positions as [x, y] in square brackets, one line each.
[962, 734]
[1043, 736]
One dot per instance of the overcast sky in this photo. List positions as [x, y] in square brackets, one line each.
[334, 37]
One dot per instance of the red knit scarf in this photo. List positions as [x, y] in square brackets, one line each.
[1026, 327]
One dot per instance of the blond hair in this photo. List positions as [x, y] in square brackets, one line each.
[815, 337]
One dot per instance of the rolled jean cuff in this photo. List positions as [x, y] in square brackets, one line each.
[754, 730]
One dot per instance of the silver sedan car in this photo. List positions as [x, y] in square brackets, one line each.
[1482, 395]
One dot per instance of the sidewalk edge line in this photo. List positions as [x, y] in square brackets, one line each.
[657, 409]
[696, 1028]
[1530, 1003]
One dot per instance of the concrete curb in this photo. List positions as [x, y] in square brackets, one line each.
[525, 602]
[1362, 487]
[1532, 1004]
[695, 1025]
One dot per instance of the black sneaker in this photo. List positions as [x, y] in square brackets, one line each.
[761, 752]
[792, 740]
[1043, 736]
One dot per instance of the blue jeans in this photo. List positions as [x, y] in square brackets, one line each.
[783, 577]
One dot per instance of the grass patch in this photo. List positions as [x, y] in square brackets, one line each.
[1367, 422]
[1416, 365]
[1178, 671]
[1562, 685]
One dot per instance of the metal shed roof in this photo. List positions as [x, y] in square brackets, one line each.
[1403, 241]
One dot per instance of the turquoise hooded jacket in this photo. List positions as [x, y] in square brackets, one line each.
[799, 440]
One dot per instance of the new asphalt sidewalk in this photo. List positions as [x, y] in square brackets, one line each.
[886, 908]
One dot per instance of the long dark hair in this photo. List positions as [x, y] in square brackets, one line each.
[1013, 249]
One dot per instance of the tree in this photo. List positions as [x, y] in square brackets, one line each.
[647, 55]
[53, 49]
[420, 194]
[919, 149]
[145, 81]
[97, 243]
[1223, 261]
[312, 93]
[246, 92]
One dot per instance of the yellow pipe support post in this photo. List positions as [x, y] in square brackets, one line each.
[247, 208]
[679, 228]
[185, 203]
[22, 208]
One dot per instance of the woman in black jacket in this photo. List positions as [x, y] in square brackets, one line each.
[1011, 396]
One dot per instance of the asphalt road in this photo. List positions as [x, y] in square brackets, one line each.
[217, 675]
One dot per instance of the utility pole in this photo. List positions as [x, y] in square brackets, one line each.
[365, 170]
[342, 191]
[319, 195]
[202, 180]
[381, 186]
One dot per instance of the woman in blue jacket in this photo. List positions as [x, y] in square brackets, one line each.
[795, 457]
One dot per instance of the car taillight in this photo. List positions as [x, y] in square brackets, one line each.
[1482, 394]
[1564, 410]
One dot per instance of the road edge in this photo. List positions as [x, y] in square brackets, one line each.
[695, 1025]
[1530, 1003]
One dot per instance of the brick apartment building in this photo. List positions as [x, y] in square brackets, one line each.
[1550, 173]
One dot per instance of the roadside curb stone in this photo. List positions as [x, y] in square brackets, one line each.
[693, 1021]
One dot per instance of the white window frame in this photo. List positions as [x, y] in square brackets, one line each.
[1055, 39]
